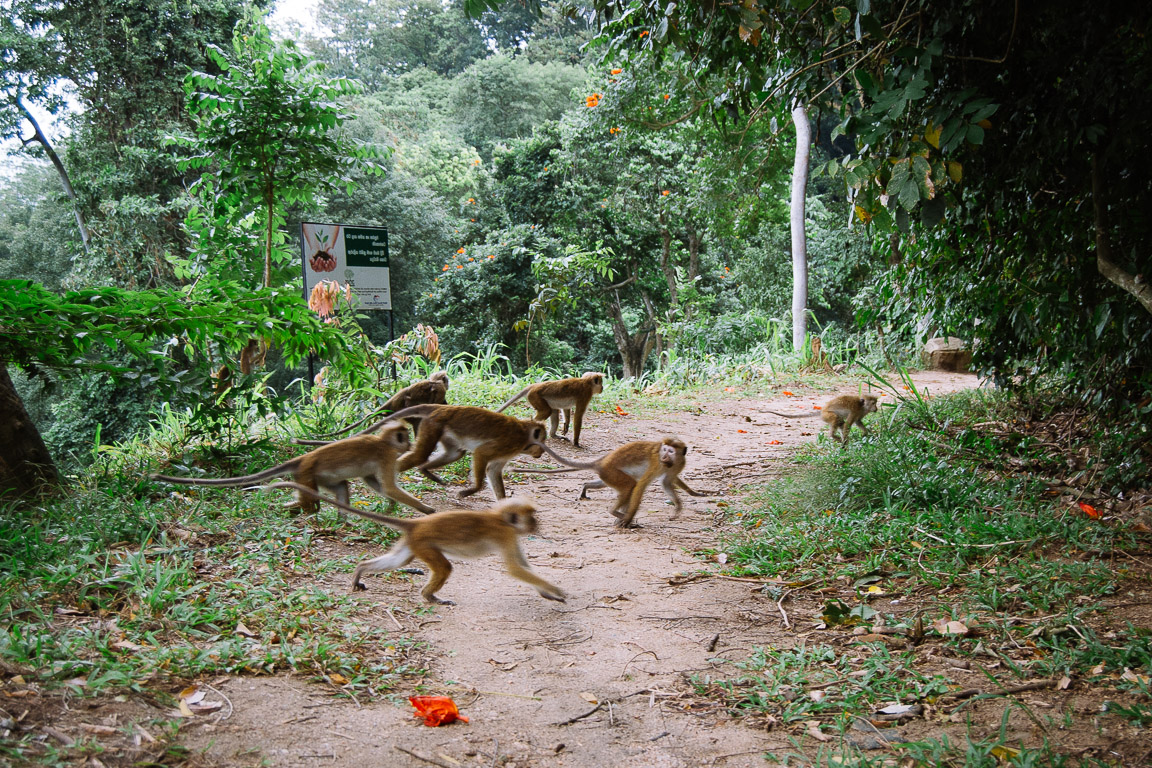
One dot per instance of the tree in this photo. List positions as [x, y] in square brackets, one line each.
[799, 236]
[267, 129]
[83, 330]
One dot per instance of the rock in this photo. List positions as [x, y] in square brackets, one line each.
[946, 355]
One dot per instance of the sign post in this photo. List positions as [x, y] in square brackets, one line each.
[352, 256]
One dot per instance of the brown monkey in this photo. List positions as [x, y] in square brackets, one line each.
[493, 438]
[372, 458]
[458, 532]
[430, 391]
[630, 469]
[549, 398]
[841, 412]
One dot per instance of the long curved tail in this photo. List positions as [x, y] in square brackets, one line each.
[794, 415]
[514, 399]
[568, 462]
[398, 523]
[227, 482]
[414, 411]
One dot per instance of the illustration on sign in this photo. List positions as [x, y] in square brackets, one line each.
[354, 256]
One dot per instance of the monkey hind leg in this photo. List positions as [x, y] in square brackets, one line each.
[589, 486]
[441, 570]
[397, 557]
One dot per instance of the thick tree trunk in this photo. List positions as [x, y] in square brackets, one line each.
[799, 238]
[26, 467]
[634, 348]
[38, 136]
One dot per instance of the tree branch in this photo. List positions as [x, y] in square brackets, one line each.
[1135, 285]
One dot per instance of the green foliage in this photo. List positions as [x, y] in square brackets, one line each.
[83, 329]
[268, 130]
[501, 98]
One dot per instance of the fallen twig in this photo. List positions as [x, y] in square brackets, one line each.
[429, 760]
[601, 705]
[780, 607]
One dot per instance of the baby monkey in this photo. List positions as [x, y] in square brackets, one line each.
[841, 412]
[630, 469]
[458, 532]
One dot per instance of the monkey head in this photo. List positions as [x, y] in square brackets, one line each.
[521, 515]
[597, 380]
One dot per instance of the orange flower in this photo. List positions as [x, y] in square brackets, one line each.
[445, 268]
[436, 710]
[666, 192]
[667, 96]
[592, 101]
[491, 255]
[1089, 510]
[617, 71]
[459, 266]
[621, 411]
[545, 167]
[459, 250]
[644, 33]
[470, 259]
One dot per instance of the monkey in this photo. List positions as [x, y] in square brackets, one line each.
[430, 391]
[630, 469]
[493, 438]
[458, 532]
[551, 397]
[372, 458]
[841, 412]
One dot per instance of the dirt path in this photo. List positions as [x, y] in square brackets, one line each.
[520, 667]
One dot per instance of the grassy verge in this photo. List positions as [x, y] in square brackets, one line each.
[952, 539]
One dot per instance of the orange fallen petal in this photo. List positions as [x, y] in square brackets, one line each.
[436, 710]
[729, 389]
[1090, 510]
[620, 411]
[774, 442]
[789, 394]
[743, 431]
[817, 408]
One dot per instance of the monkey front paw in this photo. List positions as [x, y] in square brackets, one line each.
[438, 601]
[358, 586]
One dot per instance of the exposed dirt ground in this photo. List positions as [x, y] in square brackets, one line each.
[520, 667]
[602, 680]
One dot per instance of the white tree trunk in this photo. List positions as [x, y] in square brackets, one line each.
[799, 238]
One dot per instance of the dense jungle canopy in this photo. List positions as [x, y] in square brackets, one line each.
[598, 186]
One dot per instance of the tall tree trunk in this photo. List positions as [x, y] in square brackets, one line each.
[38, 136]
[799, 238]
[634, 348]
[25, 464]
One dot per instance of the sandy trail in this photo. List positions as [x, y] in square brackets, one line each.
[527, 672]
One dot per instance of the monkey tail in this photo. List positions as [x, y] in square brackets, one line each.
[568, 462]
[794, 415]
[514, 399]
[531, 471]
[279, 469]
[415, 411]
[398, 523]
[350, 427]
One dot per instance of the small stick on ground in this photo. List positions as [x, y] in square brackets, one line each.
[429, 760]
[780, 607]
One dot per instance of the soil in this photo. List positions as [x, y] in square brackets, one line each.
[527, 672]
[610, 677]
